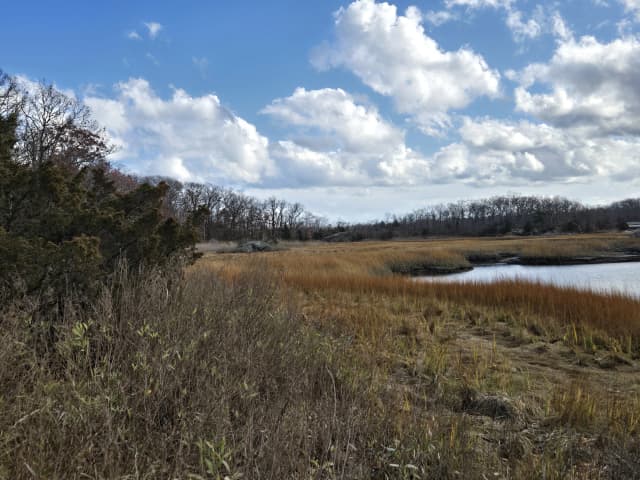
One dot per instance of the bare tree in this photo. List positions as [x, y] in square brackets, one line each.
[10, 96]
[58, 128]
[293, 218]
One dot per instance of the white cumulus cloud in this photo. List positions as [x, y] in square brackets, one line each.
[479, 3]
[586, 84]
[494, 151]
[520, 28]
[340, 141]
[392, 55]
[190, 138]
[351, 126]
[542, 20]
[439, 17]
[632, 6]
[153, 28]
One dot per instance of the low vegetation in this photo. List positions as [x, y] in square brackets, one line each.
[176, 378]
[239, 368]
[530, 381]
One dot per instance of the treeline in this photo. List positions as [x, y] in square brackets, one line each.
[512, 214]
[233, 215]
[236, 216]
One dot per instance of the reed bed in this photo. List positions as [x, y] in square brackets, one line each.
[612, 316]
[322, 363]
[537, 380]
[219, 376]
[369, 268]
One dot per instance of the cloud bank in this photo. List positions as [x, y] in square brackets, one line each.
[575, 118]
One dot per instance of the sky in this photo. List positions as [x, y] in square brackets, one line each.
[356, 109]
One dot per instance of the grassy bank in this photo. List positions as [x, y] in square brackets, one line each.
[539, 380]
[373, 267]
[319, 362]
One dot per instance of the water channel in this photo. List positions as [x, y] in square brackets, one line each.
[604, 277]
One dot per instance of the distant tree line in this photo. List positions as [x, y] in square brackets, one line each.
[511, 214]
[233, 215]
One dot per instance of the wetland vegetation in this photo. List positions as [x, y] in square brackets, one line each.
[508, 379]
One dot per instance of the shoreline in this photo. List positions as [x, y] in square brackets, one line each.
[442, 270]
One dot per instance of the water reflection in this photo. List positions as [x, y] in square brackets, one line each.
[604, 277]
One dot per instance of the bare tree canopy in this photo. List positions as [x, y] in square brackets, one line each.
[55, 127]
[10, 96]
[510, 214]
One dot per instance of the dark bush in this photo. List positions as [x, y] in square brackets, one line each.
[64, 228]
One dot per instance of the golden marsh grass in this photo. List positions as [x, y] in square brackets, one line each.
[559, 361]
[319, 362]
[367, 267]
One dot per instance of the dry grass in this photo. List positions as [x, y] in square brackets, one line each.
[170, 378]
[200, 378]
[563, 360]
[320, 363]
[368, 268]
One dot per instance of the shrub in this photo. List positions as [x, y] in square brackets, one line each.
[64, 230]
[170, 376]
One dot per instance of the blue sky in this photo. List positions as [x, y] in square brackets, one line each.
[354, 108]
